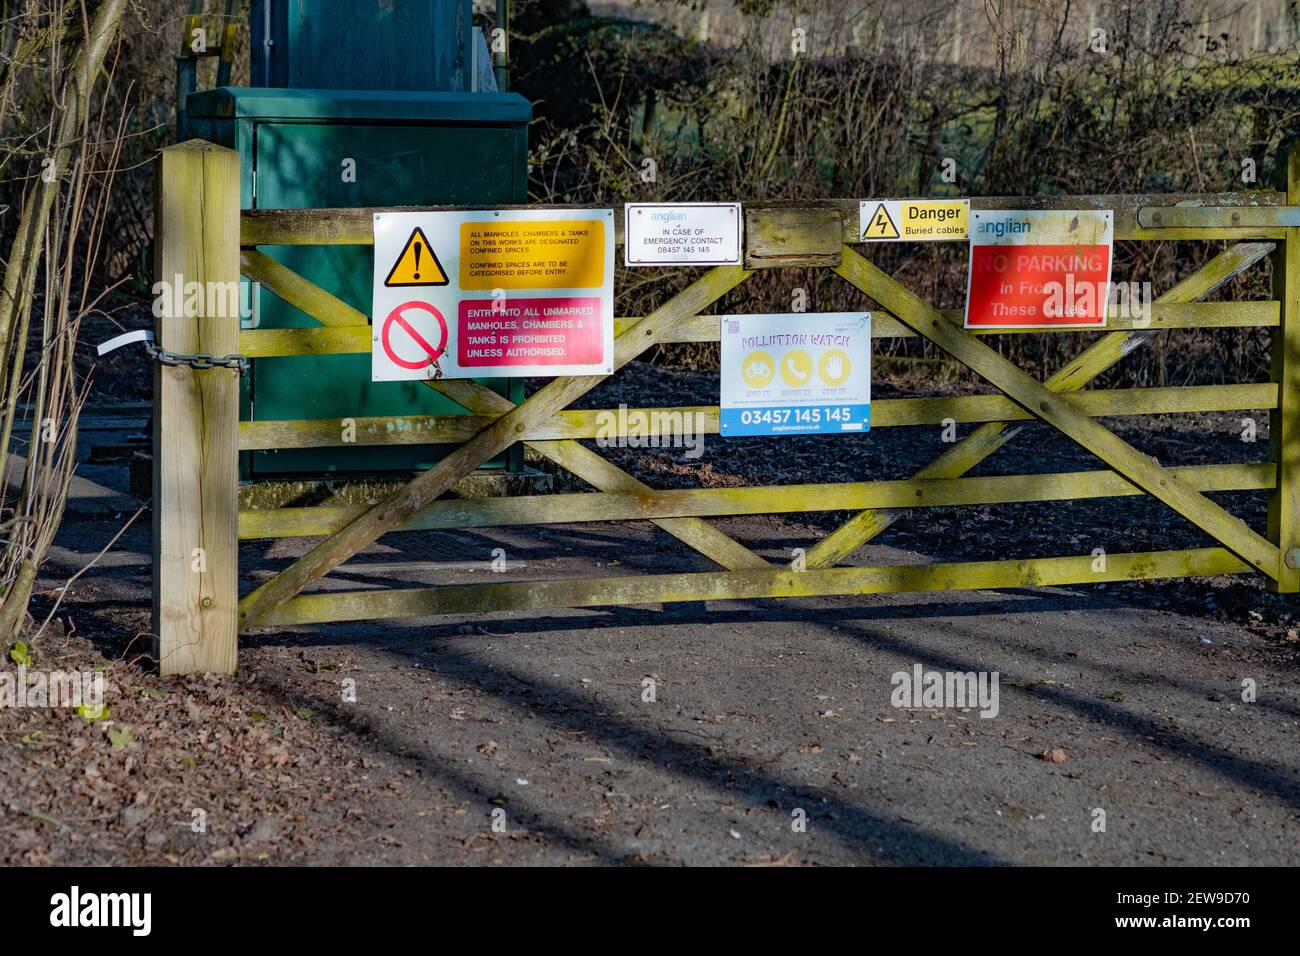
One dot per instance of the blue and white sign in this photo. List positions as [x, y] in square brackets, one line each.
[797, 374]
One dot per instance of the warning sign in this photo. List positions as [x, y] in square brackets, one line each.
[417, 264]
[518, 292]
[560, 254]
[533, 330]
[1040, 269]
[913, 220]
[880, 225]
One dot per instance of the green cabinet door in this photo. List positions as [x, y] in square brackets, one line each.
[305, 164]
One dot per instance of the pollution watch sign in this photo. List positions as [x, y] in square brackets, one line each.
[800, 373]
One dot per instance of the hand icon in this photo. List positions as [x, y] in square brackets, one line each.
[834, 367]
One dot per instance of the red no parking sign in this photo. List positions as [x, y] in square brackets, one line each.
[1041, 269]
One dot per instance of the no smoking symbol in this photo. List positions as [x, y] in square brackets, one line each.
[414, 335]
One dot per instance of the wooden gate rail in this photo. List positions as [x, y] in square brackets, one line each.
[776, 230]
[753, 585]
[355, 339]
[321, 520]
[195, 620]
[885, 413]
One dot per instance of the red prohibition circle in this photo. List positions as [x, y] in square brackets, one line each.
[396, 317]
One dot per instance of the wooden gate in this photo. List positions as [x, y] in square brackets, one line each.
[197, 522]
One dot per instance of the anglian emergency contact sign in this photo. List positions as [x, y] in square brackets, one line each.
[682, 234]
[802, 373]
[515, 292]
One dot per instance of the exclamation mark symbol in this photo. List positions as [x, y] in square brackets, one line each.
[417, 258]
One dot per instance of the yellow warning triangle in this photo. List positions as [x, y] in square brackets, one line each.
[881, 227]
[417, 265]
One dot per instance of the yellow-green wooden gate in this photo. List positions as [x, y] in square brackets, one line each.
[204, 236]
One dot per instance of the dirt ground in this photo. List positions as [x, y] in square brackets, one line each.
[1124, 699]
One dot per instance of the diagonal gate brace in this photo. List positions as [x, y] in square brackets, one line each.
[491, 441]
[988, 438]
[608, 477]
[1057, 411]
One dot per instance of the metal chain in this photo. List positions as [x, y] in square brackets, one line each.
[199, 360]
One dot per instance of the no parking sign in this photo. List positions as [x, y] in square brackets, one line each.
[1044, 269]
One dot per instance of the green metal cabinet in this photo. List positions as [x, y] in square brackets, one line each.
[410, 149]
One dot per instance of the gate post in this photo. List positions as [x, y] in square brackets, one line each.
[1284, 421]
[196, 411]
